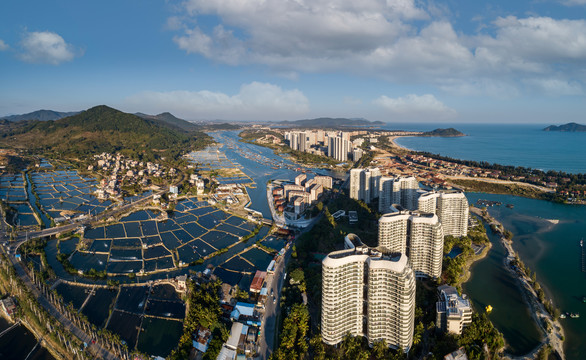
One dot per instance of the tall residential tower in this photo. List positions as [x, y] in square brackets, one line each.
[419, 235]
[368, 293]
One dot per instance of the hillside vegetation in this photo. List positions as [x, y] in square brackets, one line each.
[101, 129]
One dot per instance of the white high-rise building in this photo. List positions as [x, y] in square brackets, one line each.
[364, 184]
[385, 311]
[294, 141]
[419, 235]
[402, 190]
[302, 145]
[451, 207]
[385, 198]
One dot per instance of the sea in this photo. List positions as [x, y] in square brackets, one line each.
[546, 235]
[508, 144]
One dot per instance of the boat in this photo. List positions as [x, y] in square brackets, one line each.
[562, 316]
[584, 299]
[510, 206]
[488, 309]
[581, 242]
[574, 315]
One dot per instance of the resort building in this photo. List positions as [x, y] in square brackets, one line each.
[366, 292]
[364, 184]
[454, 312]
[418, 235]
[402, 190]
[451, 207]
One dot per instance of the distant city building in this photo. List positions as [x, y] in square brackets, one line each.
[364, 184]
[357, 154]
[368, 293]
[300, 179]
[173, 189]
[451, 207]
[339, 147]
[418, 235]
[325, 181]
[291, 187]
[315, 192]
[454, 312]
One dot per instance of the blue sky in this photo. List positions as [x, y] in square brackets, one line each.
[394, 60]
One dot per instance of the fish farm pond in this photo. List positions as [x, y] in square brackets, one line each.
[145, 251]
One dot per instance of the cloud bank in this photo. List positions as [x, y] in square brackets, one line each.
[399, 40]
[415, 107]
[254, 101]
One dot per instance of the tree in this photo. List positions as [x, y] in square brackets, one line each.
[380, 349]
[417, 336]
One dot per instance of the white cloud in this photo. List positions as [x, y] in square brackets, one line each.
[556, 87]
[46, 47]
[416, 107]
[573, 2]
[254, 101]
[3, 45]
[382, 39]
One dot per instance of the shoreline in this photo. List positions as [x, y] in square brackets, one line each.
[538, 312]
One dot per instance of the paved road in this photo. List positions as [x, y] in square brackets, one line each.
[267, 339]
[96, 349]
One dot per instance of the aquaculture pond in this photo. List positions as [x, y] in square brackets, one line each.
[148, 315]
[145, 242]
[66, 193]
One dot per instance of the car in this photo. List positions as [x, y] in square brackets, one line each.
[274, 300]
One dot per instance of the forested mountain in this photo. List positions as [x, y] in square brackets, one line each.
[326, 122]
[100, 129]
[171, 120]
[42, 115]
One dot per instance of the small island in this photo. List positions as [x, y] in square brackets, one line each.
[569, 127]
[450, 132]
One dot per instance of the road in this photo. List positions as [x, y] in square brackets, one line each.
[22, 238]
[267, 338]
[96, 349]
[269, 323]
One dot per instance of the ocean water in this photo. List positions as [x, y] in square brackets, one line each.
[518, 145]
[551, 250]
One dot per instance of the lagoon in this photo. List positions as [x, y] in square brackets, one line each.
[551, 250]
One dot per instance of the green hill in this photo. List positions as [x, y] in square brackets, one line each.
[42, 115]
[101, 129]
[171, 120]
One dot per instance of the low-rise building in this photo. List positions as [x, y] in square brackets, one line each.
[454, 312]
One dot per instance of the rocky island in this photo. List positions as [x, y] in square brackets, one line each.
[450, 132]
[569, 127]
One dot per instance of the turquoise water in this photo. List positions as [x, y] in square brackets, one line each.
[519, 145]
[552, 251]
